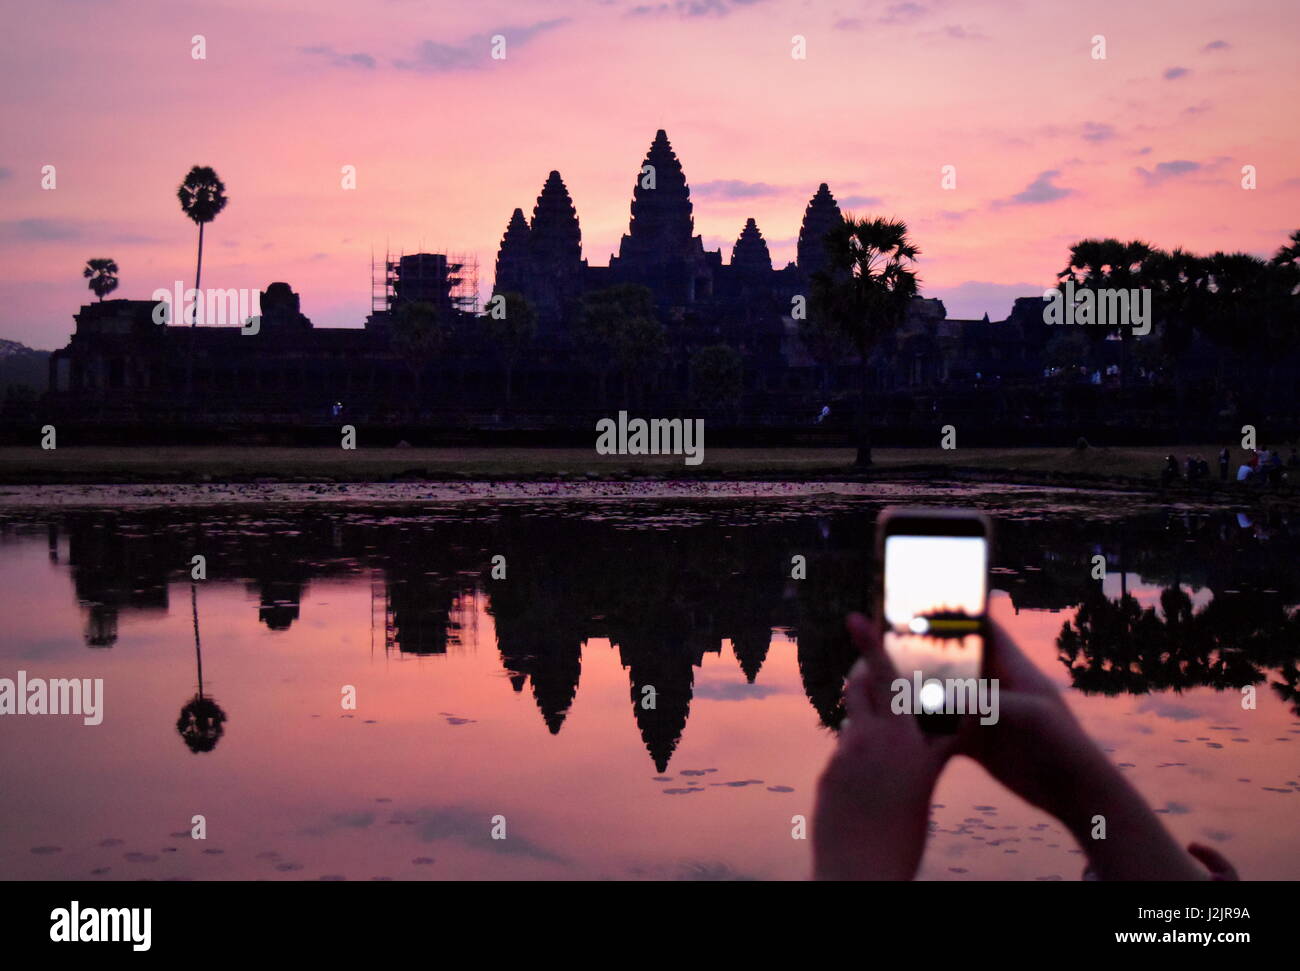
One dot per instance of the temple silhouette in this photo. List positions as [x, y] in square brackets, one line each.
[666, 602]
[542, 259]
[122, 366]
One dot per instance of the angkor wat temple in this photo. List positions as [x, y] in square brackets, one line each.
[122, 366]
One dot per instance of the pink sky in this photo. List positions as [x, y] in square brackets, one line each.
[1050, 145]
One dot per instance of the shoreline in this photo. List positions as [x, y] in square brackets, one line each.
[218, 474]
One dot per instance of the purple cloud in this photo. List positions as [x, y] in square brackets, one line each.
[1095, 131]
[734, 189]
[1167, 170]
[902, 13]
[435, 57]
[1174, 73]
[1038, 192]
[40, 230]
[858, 202]
[337, 59]
[690, 8]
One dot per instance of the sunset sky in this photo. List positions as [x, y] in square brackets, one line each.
[1049, 143]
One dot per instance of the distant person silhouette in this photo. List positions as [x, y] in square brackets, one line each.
[1170, 472]
[873, 799]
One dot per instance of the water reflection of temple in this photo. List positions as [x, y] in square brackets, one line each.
[668, 597]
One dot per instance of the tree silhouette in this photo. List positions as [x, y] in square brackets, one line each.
[865, 291]
[617, 326]
[717, 376]
[1118, 647]
[512, 333]
[102, 274]
[419, 331]
[202, 197]
[1098, 264]
[201, 722]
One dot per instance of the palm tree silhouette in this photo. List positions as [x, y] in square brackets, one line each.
[1117, 647]
[1109, 263]
[201, 722]
[102, 274]
[865, 291]
[202, 197]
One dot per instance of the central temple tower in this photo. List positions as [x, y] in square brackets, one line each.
[661, 250]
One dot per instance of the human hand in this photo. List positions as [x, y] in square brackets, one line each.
[873, 798]
[1039, 751]
[1036, 748]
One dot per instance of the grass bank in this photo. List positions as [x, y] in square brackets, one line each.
[1093, 467]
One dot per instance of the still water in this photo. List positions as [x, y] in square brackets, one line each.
[515, 701]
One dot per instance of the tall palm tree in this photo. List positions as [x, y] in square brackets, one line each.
[1177, 280]
[865, 290]
[202, 197]
[102, 274]
[202, 721]
[1110, 264]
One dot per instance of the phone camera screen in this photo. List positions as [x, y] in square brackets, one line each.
[935, 595]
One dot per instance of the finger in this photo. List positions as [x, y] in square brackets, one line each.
[1219, 866]
[1015, 672]
[880, 672]
[1016, 713]
[943, 747]
[857, 704]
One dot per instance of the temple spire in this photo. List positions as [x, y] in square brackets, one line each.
[513, 256]
[750, 251]
[661, 225]
[555, 236]
[821, 216]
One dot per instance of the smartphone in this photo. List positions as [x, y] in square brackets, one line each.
[934, 604]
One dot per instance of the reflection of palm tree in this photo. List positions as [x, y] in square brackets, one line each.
[1116, 646]
[202, 721]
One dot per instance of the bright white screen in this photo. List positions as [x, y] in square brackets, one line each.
[925, 575]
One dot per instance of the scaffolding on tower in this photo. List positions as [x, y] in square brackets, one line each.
[449, 280]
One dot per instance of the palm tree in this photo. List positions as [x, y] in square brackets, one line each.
[1289, 255]
[1110, 264]
[1177, 281]
[865, 291]
[102, 274]
[202, 722]
[512, 334]
[202, 197]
